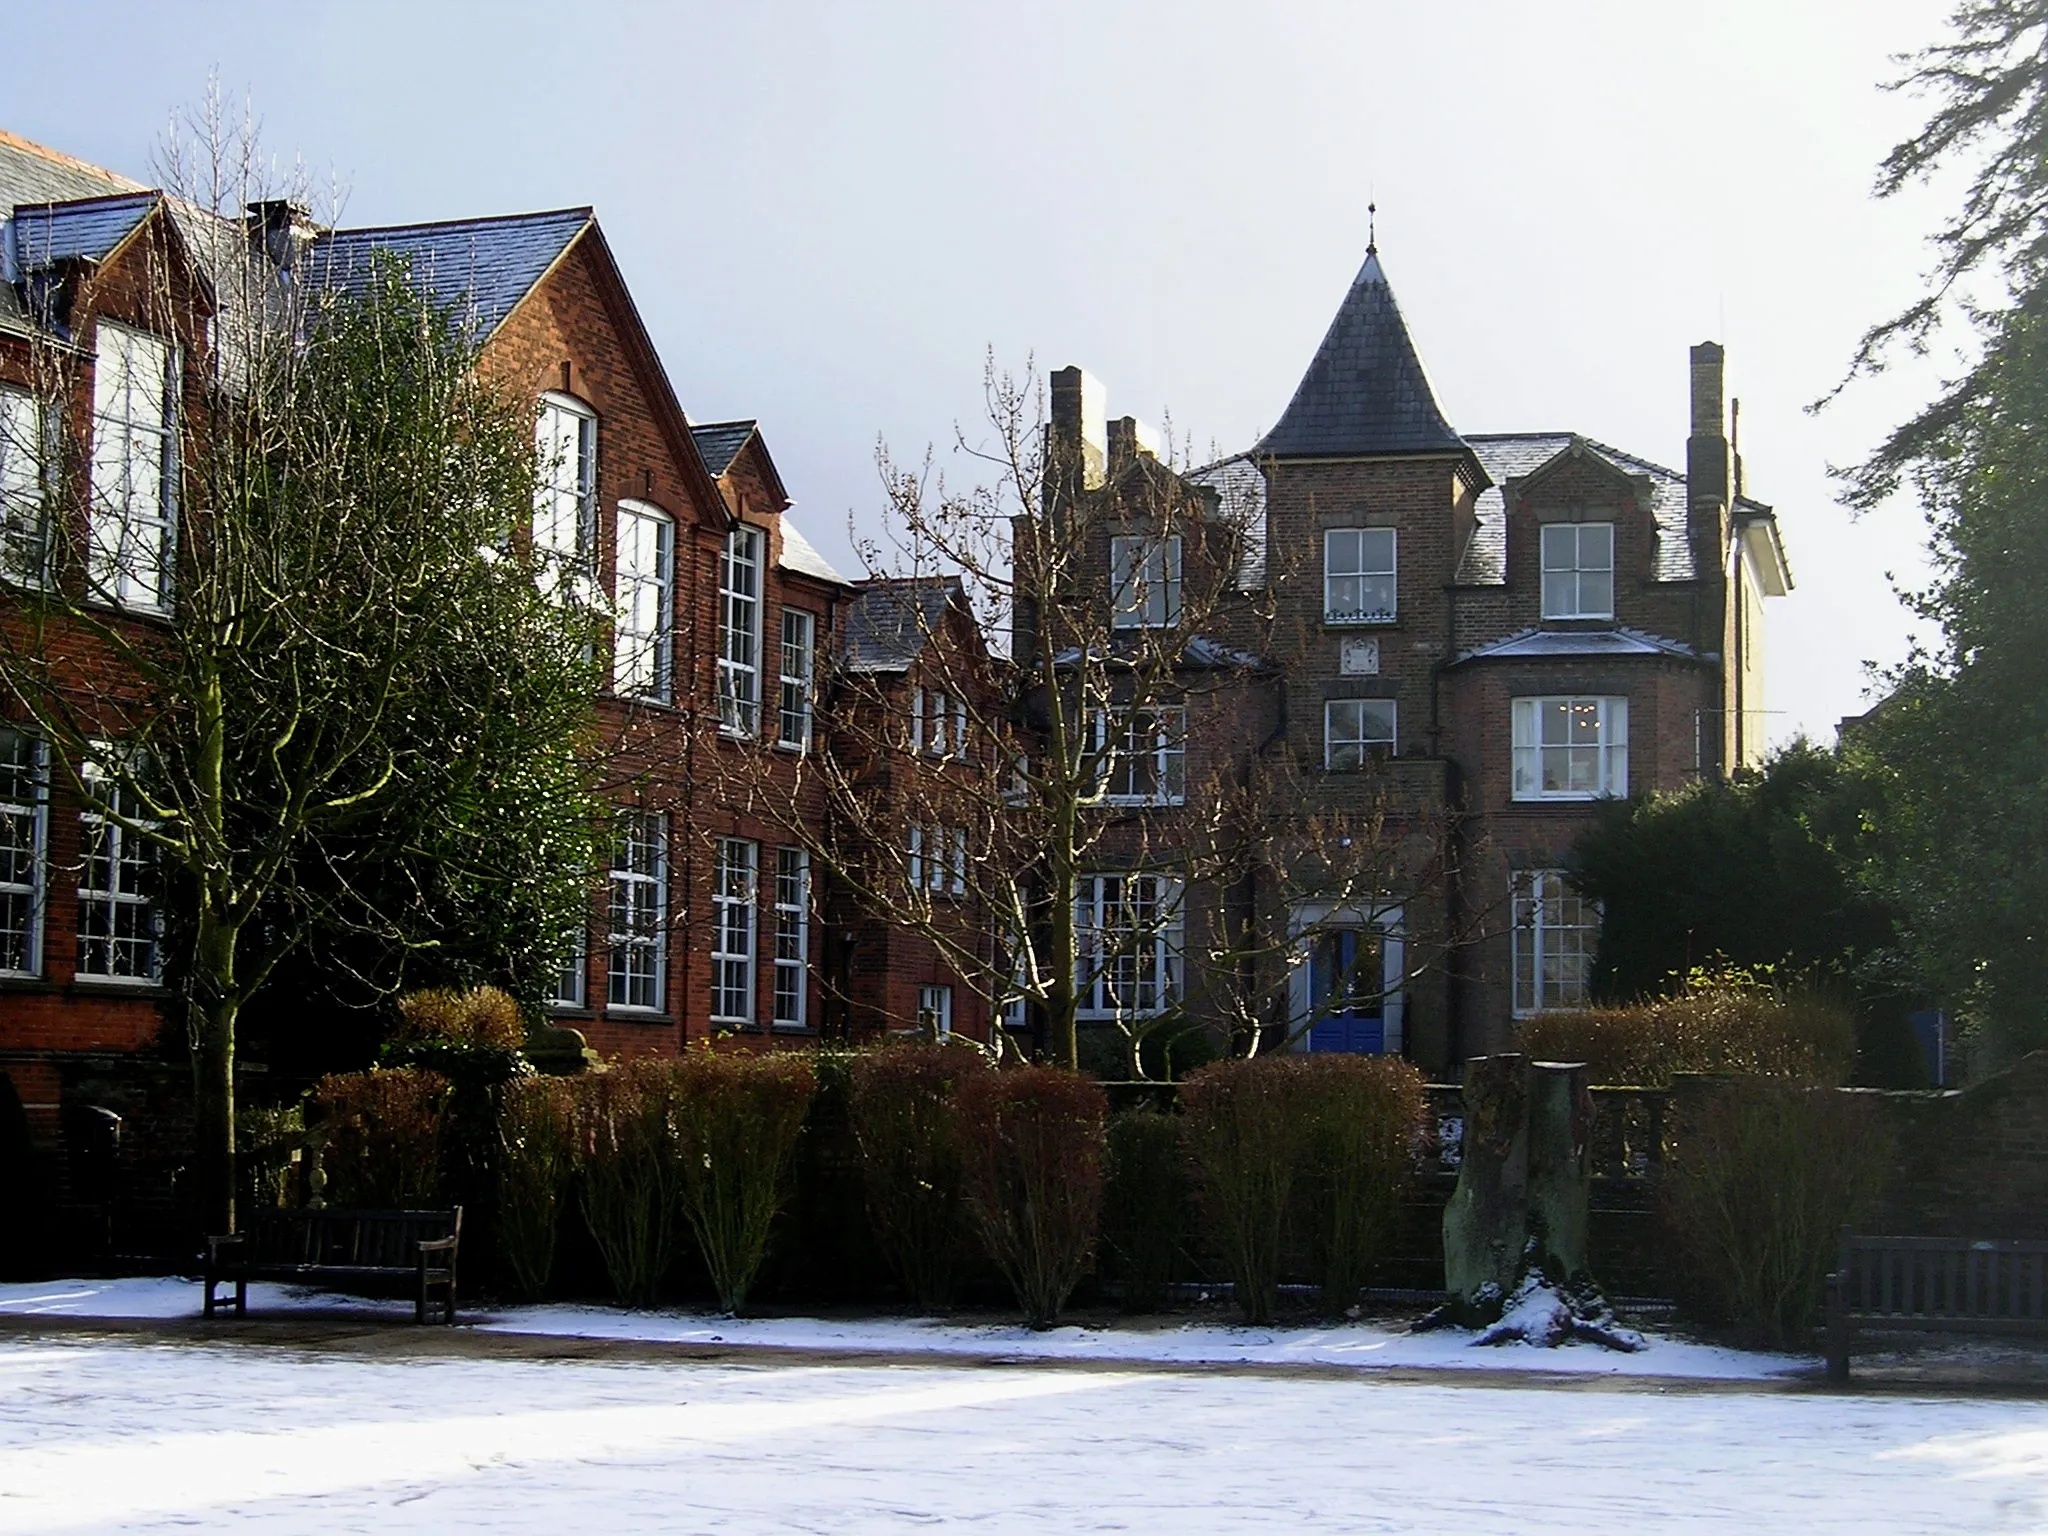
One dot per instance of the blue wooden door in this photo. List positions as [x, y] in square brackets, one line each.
[1345, 988]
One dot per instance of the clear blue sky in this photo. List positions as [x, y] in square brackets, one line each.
[829, 212]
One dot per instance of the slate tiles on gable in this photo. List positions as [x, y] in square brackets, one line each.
[480, 268]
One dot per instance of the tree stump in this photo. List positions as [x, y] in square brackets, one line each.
[1515, 1229]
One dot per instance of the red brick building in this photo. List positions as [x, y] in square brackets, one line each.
[708, 919]
[1505, 628]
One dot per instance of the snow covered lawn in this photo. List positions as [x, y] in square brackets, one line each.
[122, 1434]
[1357, 1344]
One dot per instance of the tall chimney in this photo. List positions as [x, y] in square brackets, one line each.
[1080, 427]
[279, 228]
[1706, 451]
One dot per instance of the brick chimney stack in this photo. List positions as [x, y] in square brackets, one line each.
[1707, 469]
[280, 229]
[1080, 429]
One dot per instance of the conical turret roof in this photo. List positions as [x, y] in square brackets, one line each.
[1365, 393]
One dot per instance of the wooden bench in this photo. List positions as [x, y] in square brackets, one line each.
[343, 1249]
[1945, 1284]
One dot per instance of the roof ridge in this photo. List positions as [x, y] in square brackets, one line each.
[586, 212]
[736, 421]
[140, 194]
[69, 162]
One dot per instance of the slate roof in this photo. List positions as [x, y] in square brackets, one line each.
[480, 268]
[1539, 644]
[1510, 455]
[801, 555]
[31, 174]
[891, 619]
[720, 442]
[1365, 392]
[43, 234]
[1240, 487]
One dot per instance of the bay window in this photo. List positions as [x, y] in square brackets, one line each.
[1570, 748]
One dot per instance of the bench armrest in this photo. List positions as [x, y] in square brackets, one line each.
[217, 1247]
[439, 1244]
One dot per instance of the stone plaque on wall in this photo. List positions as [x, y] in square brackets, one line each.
[1359, 655]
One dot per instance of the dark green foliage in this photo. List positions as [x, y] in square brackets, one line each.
[1031, 1164]
[1762, 870]
[1960, 748]
[1761, 1179]
[900, 1109]
[1144, 1204]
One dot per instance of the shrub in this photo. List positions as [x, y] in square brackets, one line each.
[1143, 1204]
[381, 1136]
[1244, 1129]
[1031, 1156]
[900, 1109]
[482, 1016]
[1723, 1021]
[626, 1155]
[738, 1115]
[267, 1142]
[1759, 1183]
[1363, 1117]
[536, 1139]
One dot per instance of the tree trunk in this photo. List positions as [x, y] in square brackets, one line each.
[1486, 1223]
[216, 1009]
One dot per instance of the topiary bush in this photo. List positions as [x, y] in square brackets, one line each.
[738, 1115]
[1725, 1020]
[900, 1110]
[381, 1136]
[537, 1147]
[1244, 1126]
[1144, 1205]
[1031, 1160]
[1363, 1118]
[626, 1155]
[1759, 1182]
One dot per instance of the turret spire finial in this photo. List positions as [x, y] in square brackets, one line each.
[1372, 229]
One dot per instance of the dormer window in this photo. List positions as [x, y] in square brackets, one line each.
[1358, 576]
[1146, 575]
[1578, 570]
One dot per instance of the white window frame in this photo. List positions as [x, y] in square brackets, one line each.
[1154, 737]
[938, 722]
[24, 850]
[1577, 584]
[799, 662]
[24, 520]
[565, 492]
[938, 860]
[741, 567]
[1109, 939]
[1553, 760]
[1556, 936]
[1371, 560]
[792, 938]
[935, 1003]
[735, 893]
[644, 601]
[131, 517]
[572, 976]
[637, 968]
[123, 915]
[1351, 743]
[1145, 577]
